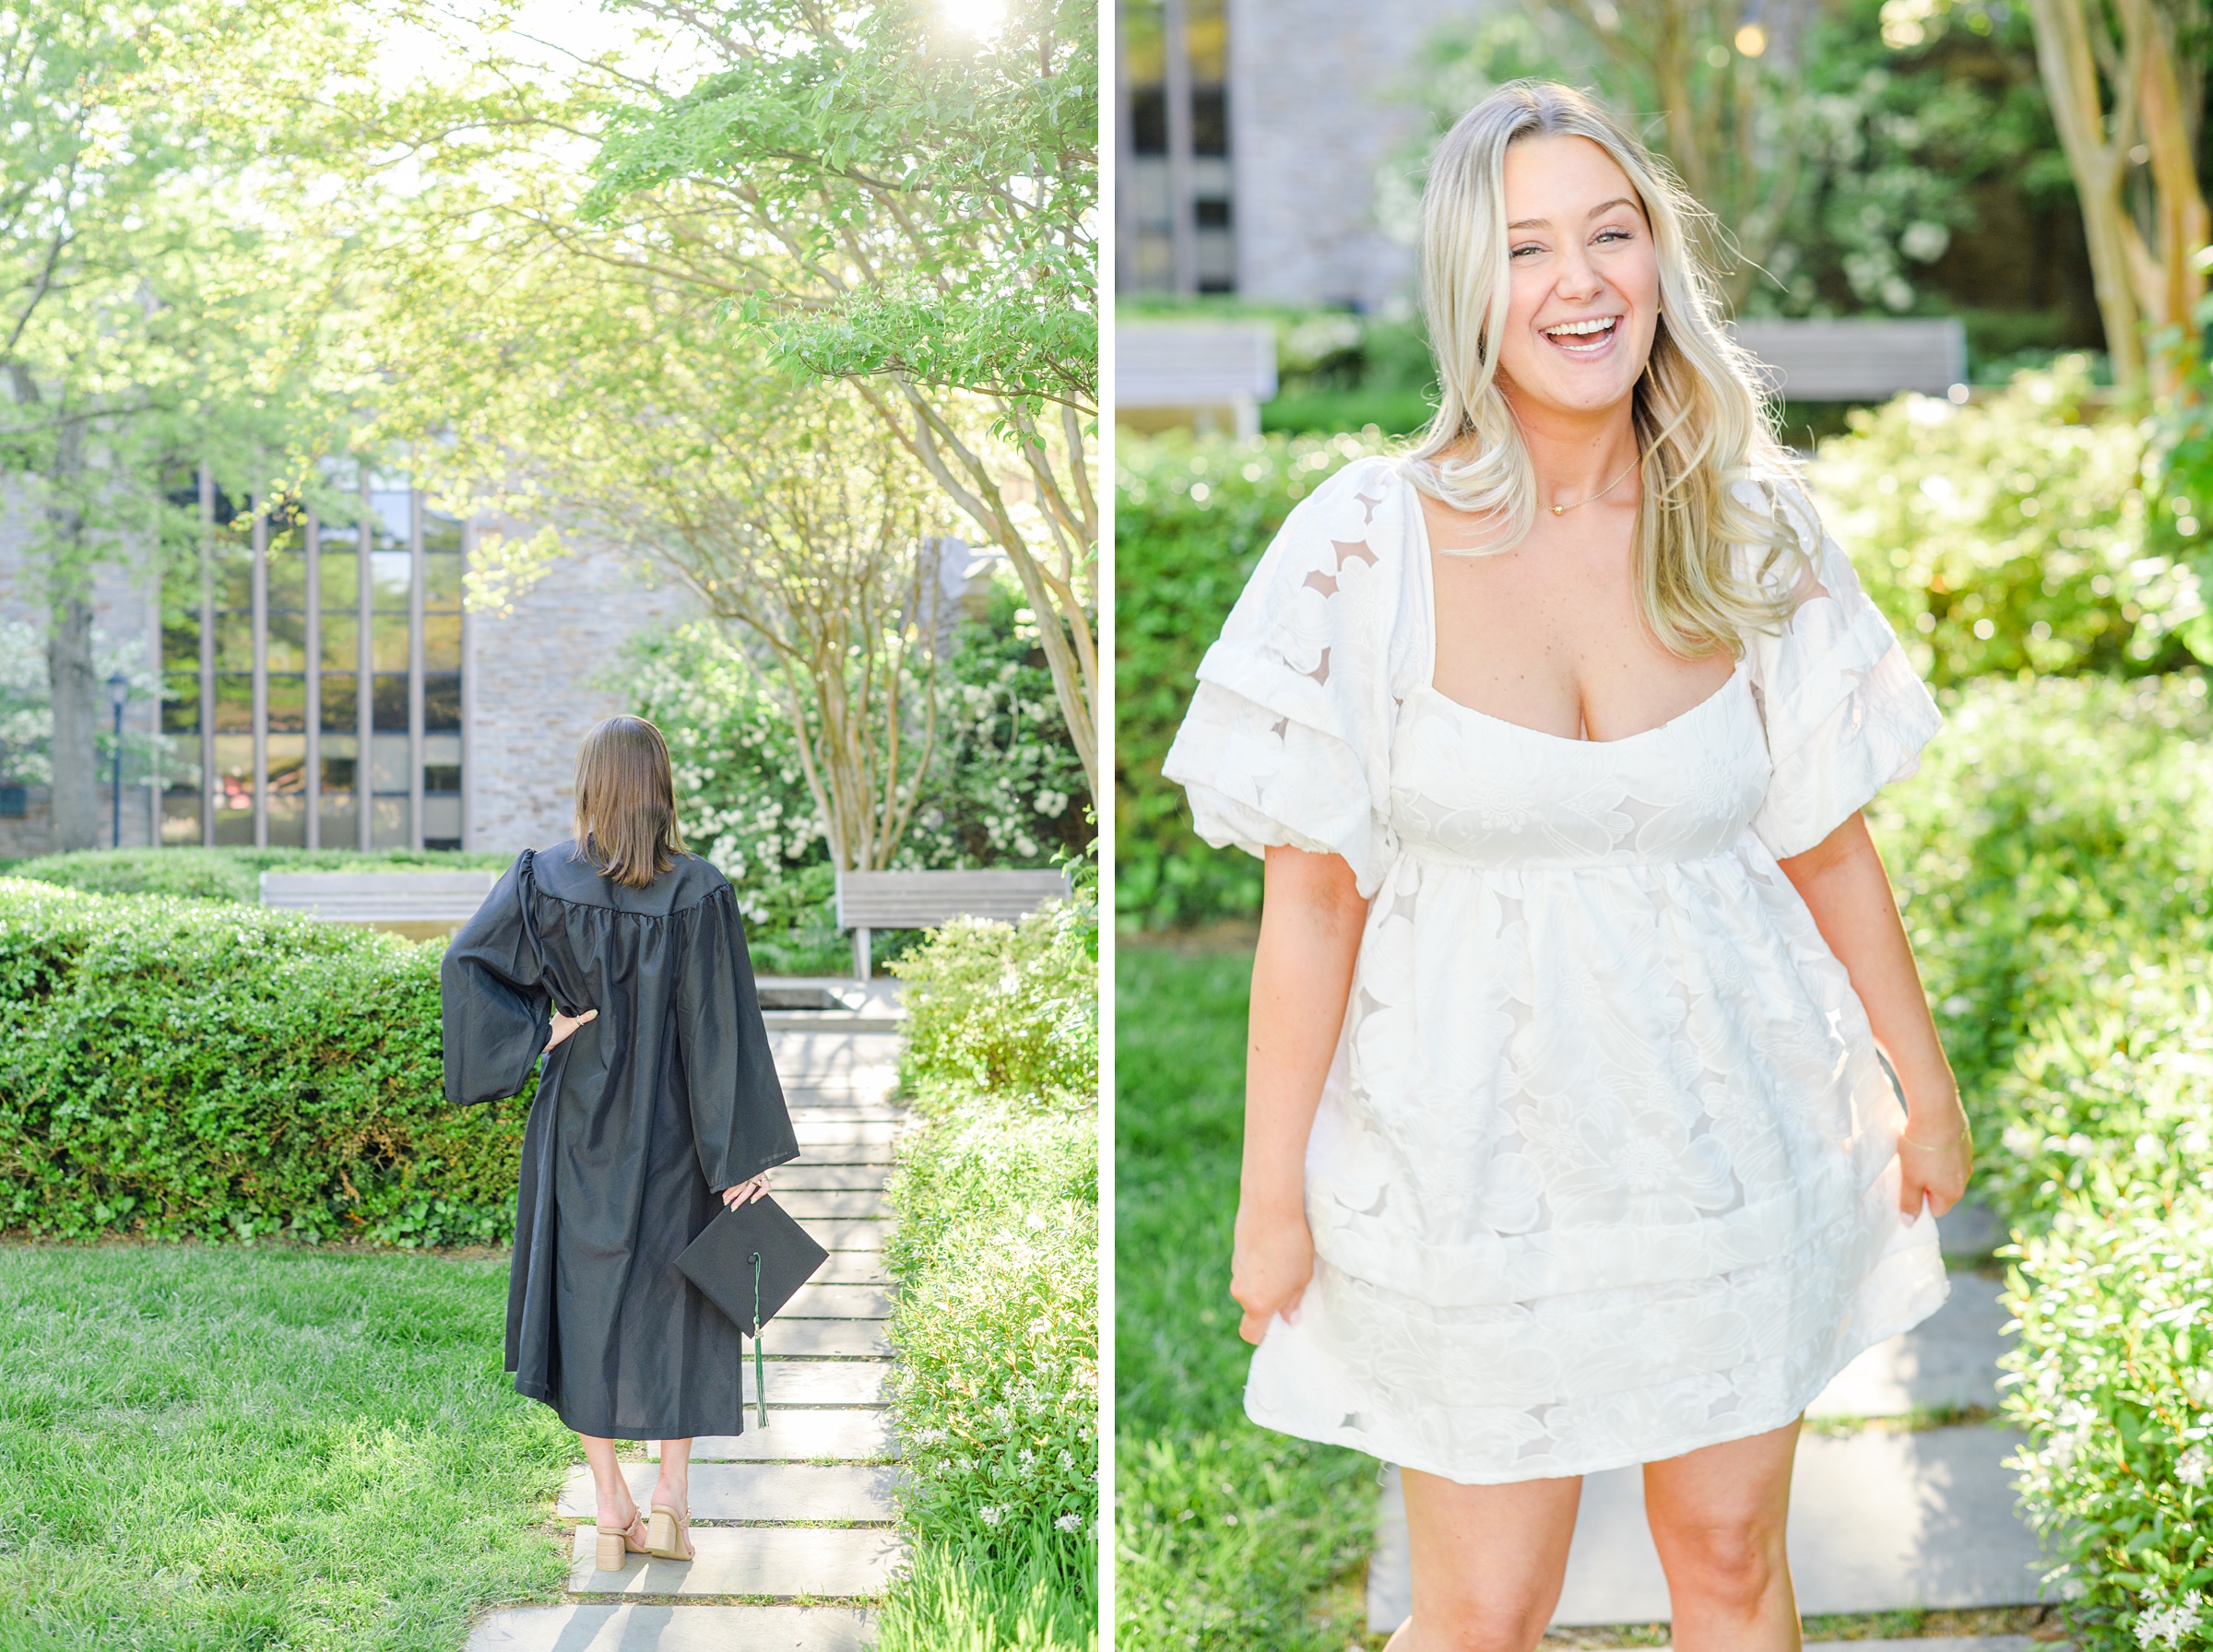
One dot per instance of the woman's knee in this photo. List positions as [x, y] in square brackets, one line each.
[1729, 1562]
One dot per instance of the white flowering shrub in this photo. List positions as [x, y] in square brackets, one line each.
[2111, 1376]
[996, 1396]
[997, 1323]
[1005, 787]
[1011, 1008]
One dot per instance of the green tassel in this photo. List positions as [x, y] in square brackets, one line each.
[760, 1370]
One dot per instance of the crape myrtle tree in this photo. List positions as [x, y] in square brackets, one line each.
[2127, 83]
[532, 377]
[910, 206]
[143, 321]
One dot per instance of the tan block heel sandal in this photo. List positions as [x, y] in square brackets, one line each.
[612, 1550]
[668, 1532]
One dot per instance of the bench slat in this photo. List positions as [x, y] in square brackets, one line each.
[379, 897]
[923, 899]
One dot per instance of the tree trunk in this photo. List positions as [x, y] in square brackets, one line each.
[75, 822]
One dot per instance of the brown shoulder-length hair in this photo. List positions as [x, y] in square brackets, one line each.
[626, 802]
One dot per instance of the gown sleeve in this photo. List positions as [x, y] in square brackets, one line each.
[493, 1006]
[1287, 739]
[739, 1121]
[1845, 714]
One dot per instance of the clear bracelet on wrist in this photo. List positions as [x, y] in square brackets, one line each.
[1938, 1147]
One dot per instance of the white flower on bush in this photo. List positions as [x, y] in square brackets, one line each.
[2197, 1383]
[2192, 1466]
[2170, 1623]
[989, 1514]
[1068, 1521]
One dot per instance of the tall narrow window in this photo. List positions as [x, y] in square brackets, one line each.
[181, 708]
[340, 648]
[233, 776]
[441, 681]
[391, 579]
[1175, 189]
[285, 657]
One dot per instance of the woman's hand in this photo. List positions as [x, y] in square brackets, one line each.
[1268, 1268]
[565, 1024]
[745, 1193]
[1935, 1157]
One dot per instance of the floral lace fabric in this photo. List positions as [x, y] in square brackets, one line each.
[1605, 1165]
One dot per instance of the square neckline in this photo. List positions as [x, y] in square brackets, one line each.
[1429, 632]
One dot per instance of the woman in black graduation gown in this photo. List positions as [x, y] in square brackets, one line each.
[659, 1104]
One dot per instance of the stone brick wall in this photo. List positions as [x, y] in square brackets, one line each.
[540, 679]
[1315, 106]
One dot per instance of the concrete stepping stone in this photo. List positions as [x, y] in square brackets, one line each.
[835, 1233]
[797, 1382]
[804, 1176]
[1880, 1521]
[807, 1203]
[821, 1300]
[721, 1490]
[823, 1339]
[1948, 1359]
[593, 1626]
[819, 1133]
[882, 1153]
[797, 1436]
[837, 1563]
[852, 1268]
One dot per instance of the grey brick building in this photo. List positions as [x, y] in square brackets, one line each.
[324, 685]
[1250, 138]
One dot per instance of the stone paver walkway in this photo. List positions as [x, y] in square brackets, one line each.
[800, 1511]
[1882, 1517]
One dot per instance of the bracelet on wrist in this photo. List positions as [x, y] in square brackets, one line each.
[1936, 1147]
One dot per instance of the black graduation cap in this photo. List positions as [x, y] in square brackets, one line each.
[747, 1262]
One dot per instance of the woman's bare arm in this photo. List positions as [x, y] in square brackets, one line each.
[1844, 884]
[1302, 977]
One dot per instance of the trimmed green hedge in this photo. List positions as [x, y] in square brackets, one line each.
[997, 1324]
[172, 1067]
[227, 874]
[2114, 1379]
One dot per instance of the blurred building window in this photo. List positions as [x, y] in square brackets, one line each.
[317, 667]
[1178, 228]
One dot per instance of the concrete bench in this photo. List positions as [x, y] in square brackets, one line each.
[1202, 369]
[1860, 359]
[414, 903]
[867, 900]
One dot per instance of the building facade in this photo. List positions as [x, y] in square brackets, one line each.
[324, 684]
[1253, 133]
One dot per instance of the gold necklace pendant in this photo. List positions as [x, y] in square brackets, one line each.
[1562, 510]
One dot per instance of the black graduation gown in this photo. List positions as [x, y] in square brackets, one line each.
[641, 1116]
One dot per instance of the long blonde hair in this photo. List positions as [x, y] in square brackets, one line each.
[1701, 421]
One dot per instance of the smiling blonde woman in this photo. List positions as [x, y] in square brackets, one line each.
[1568, 1142]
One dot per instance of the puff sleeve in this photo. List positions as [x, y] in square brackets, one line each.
[1845, 713]
[492, 998]
[1288, 737]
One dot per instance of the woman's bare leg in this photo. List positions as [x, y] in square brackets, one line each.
[1488, 1561]
[618, 1509]
[1717, 1515]
[674, 1487]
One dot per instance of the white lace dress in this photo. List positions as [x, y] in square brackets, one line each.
[1605, 1167]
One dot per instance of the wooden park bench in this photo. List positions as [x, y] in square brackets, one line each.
[870, 901]
[1860, 359]
[419, 904]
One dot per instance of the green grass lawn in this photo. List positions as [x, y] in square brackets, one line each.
[213, 1447]
[1229, 1536]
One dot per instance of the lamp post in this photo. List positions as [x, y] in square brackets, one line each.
[119, 691]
